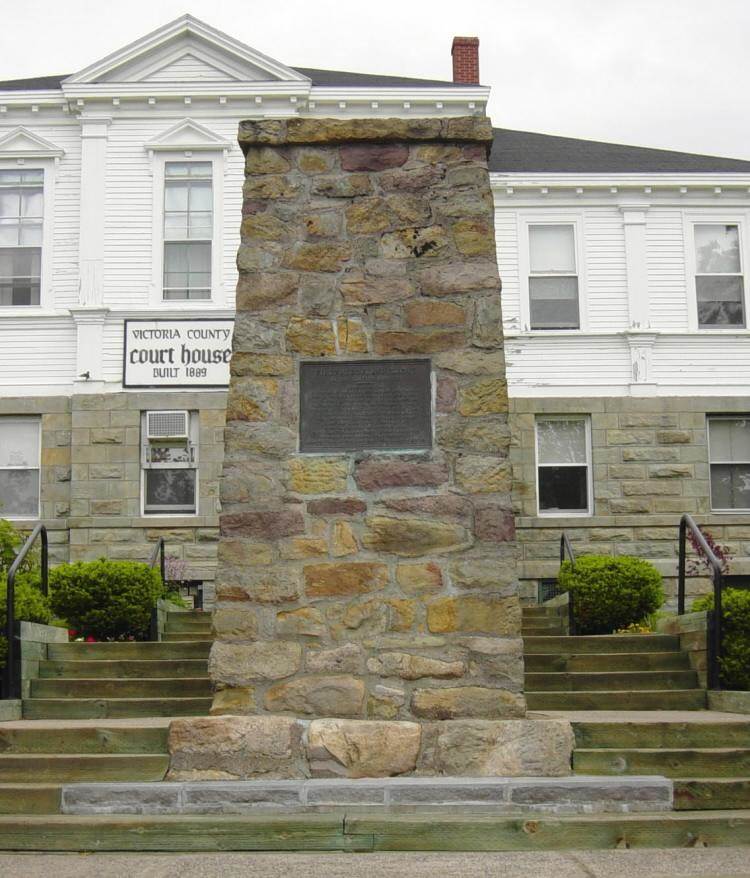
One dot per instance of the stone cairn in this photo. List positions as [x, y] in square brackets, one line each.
[367, 619]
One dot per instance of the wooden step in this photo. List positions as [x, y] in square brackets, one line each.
[132, 650]
[683, 763]
[29, 798]
[103, 687]
[713, 793]
[83, 739]
[67, 767]
[394, 830]
[189, 625]
[631, 735]
[663, 699]
[125, 668]
[606, 643]
[113, 708]
[185, 636]
[610, 681]
[618, 661]
[541, 630]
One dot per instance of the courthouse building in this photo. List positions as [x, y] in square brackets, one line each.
[624, 306]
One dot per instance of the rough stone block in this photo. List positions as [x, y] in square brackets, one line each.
[510, 748]
[237, 664]
[411, 537]
[467, 701]
[362, 748]
[232, 747]
[341, 696]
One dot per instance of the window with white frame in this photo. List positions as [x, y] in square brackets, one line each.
[188, 230]
[719, 283]
[169, 461]
[563, 463]
[729, 458]
[553, 277]
[19, 467]
[21, 207]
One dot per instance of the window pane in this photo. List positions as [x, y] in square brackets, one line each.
[22, 262]
[563, 489]
[19, 493]
[561, 441]
[31, 233]
[717, 249]
[730, 486]
[31, 202]
[176, 226]
[10, 203]
[19, 443]
[729, 439]
[176, 169]
[552, 249]
[169, 454]
[553, 302]
[19, 292]
[720, 301]
[170, 489]
[200, 195]
[176, 196]
[9, 232]
[201, 226]
[7, 177]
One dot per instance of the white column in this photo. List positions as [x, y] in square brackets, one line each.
[94, 132]
[634, 223]
[89, 324]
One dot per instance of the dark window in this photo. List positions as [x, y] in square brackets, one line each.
[562, 464]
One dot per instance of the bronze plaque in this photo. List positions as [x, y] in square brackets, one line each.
[365, 405]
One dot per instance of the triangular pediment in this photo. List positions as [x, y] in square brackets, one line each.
[185, 50]
[22, 143]
[188, 135]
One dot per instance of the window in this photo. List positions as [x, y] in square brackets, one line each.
[719, 285]
[553, 277]
[169, 460]
[21, 204]
[19, 467]
[563, 464]
[729, 457]
[188, 230]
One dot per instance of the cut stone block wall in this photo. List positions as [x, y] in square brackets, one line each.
[649, 465]
[377, 586]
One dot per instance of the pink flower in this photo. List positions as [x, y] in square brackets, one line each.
[90, 639]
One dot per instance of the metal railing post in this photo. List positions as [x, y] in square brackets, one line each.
[567, 548]
[11, 681]
[714, 618]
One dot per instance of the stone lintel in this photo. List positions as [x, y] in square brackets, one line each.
[298, 132]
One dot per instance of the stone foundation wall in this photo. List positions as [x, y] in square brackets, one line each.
[377, 586]
[649, 465]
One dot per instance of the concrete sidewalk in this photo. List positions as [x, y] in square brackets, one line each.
[654, 863]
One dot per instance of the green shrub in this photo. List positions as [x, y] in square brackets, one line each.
[735, 664]
[107, 600]
[30, 606]
[611, 593]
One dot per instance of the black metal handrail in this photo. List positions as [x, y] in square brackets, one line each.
[157, 556]
[567, 549]
[11, 677]
[715, 618]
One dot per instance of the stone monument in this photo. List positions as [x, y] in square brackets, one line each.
[367, 619]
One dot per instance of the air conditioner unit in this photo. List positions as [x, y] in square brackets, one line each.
[167, 425]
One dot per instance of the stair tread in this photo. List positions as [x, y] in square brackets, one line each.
[706, 750]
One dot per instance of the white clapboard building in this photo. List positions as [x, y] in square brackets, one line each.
[624, 300]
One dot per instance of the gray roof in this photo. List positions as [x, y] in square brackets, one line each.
[524, 151]
[512, 151]
[331, 78]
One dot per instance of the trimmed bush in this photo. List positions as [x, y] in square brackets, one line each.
[610, 593]
[30, 606]
[107, 600]
[735, 664]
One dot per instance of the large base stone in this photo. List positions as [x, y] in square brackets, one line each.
[243, 747]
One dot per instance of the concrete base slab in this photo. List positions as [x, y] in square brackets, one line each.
[564, 795]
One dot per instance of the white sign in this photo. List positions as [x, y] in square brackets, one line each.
[177, 353]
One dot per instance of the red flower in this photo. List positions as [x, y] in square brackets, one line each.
[90, 639]
[72, 633]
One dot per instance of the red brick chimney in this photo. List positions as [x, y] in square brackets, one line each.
[465, 52]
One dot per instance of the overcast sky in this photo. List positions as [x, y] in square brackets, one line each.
[665, 73]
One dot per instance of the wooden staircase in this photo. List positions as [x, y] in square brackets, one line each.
[709, 761]
[103, 711]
